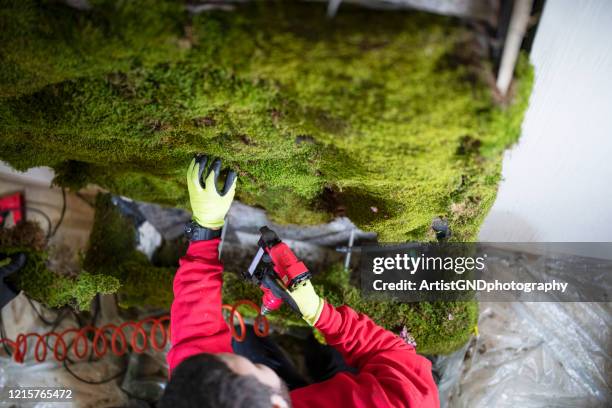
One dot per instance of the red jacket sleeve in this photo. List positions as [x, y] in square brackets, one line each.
[196, 320]
[391, 373]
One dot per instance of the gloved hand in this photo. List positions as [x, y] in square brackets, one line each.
[208, 205]
[307, 301]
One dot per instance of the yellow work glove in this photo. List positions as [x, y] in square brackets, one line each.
[209, 206]
[307, 301]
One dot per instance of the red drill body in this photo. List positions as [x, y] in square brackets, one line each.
[286, 265]
[277, 269]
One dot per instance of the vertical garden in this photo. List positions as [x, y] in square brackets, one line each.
[385, 117]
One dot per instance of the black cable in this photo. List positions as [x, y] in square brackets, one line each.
[94, 318]
[92, 322]
[58, 318]
[45, 216]
[54, 324]
[64, 313]
[62, 214]
[51, 231]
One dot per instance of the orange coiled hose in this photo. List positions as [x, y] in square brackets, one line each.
[261, 326]
[151, 332]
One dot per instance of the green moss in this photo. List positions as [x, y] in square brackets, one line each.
[43, 284]
[112, 252]
[44, 42]
[81, 290]
[366, 112]
[111, 265]
[371, 114]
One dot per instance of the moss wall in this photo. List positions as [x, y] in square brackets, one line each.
[382, 116]
[385, 117]
[112, 252]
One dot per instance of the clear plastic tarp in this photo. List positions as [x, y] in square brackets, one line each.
[533, 355]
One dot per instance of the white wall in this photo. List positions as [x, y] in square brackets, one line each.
[558, 179]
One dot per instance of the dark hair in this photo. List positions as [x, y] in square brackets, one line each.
[205, 381]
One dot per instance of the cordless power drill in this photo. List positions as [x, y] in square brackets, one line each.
[276, 269]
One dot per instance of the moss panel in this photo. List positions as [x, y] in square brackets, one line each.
[371, 113]
[384, 116]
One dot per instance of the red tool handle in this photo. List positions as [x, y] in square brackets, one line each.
[287, 266]
[287, 271]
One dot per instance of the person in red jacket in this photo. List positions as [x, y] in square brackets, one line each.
[205, 371]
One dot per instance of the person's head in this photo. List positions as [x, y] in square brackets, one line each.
[224, 380]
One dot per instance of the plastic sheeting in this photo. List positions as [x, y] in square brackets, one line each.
[315, 245]
[533, 355]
